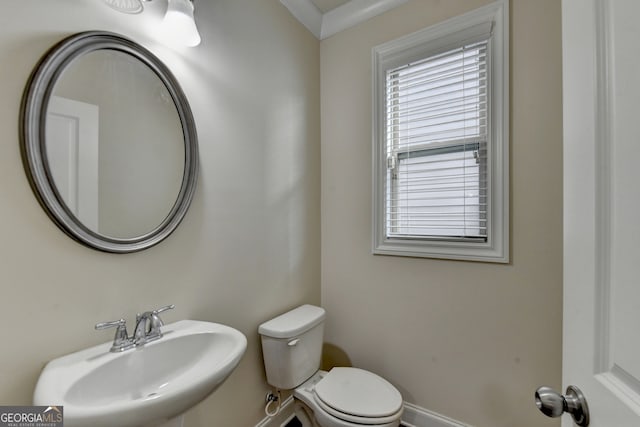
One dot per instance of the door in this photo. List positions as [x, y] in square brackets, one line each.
[72, 154]
[601, 72]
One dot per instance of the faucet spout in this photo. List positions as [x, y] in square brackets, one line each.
[148, 326]
[143, 333]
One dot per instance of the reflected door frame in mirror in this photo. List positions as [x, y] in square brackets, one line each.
[33, 115]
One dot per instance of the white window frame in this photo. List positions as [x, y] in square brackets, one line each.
[491, 19]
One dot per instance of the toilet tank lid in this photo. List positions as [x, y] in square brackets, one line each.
[293, 323]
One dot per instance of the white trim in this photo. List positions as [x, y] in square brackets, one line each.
[603, 188]
[353, 13]
[428, 41]
[307, 13]
[346, 16]
[621, 383]
[415, 416]
[412, 416]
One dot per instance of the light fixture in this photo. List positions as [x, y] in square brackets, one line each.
[180, 23]
[125, 6]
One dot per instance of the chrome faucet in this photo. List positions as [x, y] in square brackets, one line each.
[147, 329]
[148, 325]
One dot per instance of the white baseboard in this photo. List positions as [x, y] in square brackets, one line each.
[413, 416]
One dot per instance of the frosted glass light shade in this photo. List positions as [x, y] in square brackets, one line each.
[179, 21]
[125, 6]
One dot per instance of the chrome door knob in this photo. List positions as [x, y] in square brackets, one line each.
[553, 404]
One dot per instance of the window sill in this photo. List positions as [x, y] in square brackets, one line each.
[463, 251]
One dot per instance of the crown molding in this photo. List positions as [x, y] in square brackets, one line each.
[346, 16]
[307, 13]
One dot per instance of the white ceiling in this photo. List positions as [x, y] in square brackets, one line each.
[327, 5]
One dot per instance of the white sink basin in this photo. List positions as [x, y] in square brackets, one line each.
[148, 384]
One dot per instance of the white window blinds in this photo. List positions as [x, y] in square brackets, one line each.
[436, 146]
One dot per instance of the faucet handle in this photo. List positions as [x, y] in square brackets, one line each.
[165, 308]
[121, 339]
[148, 325]
[156, 321]
[112, 324]
[154, 312]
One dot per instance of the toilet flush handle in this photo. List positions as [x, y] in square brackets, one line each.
[293, 342]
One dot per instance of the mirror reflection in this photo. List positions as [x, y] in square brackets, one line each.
[114, 144]
[108, 142]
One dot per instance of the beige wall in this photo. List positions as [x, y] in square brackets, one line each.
[468, 340]
[249, 247]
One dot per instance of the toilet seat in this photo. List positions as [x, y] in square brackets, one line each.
[356, 420]
[358, 396]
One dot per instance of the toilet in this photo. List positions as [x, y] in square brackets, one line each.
[342, 397]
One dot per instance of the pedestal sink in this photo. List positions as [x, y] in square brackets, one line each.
[145, 385]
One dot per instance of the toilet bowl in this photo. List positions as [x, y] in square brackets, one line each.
[342, 397]
[350, 397]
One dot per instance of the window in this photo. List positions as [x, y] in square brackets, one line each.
[436, 138]
[441, 140]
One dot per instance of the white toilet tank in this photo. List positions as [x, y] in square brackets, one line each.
[292, 346]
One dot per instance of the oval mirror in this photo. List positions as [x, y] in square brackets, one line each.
[109, 142]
